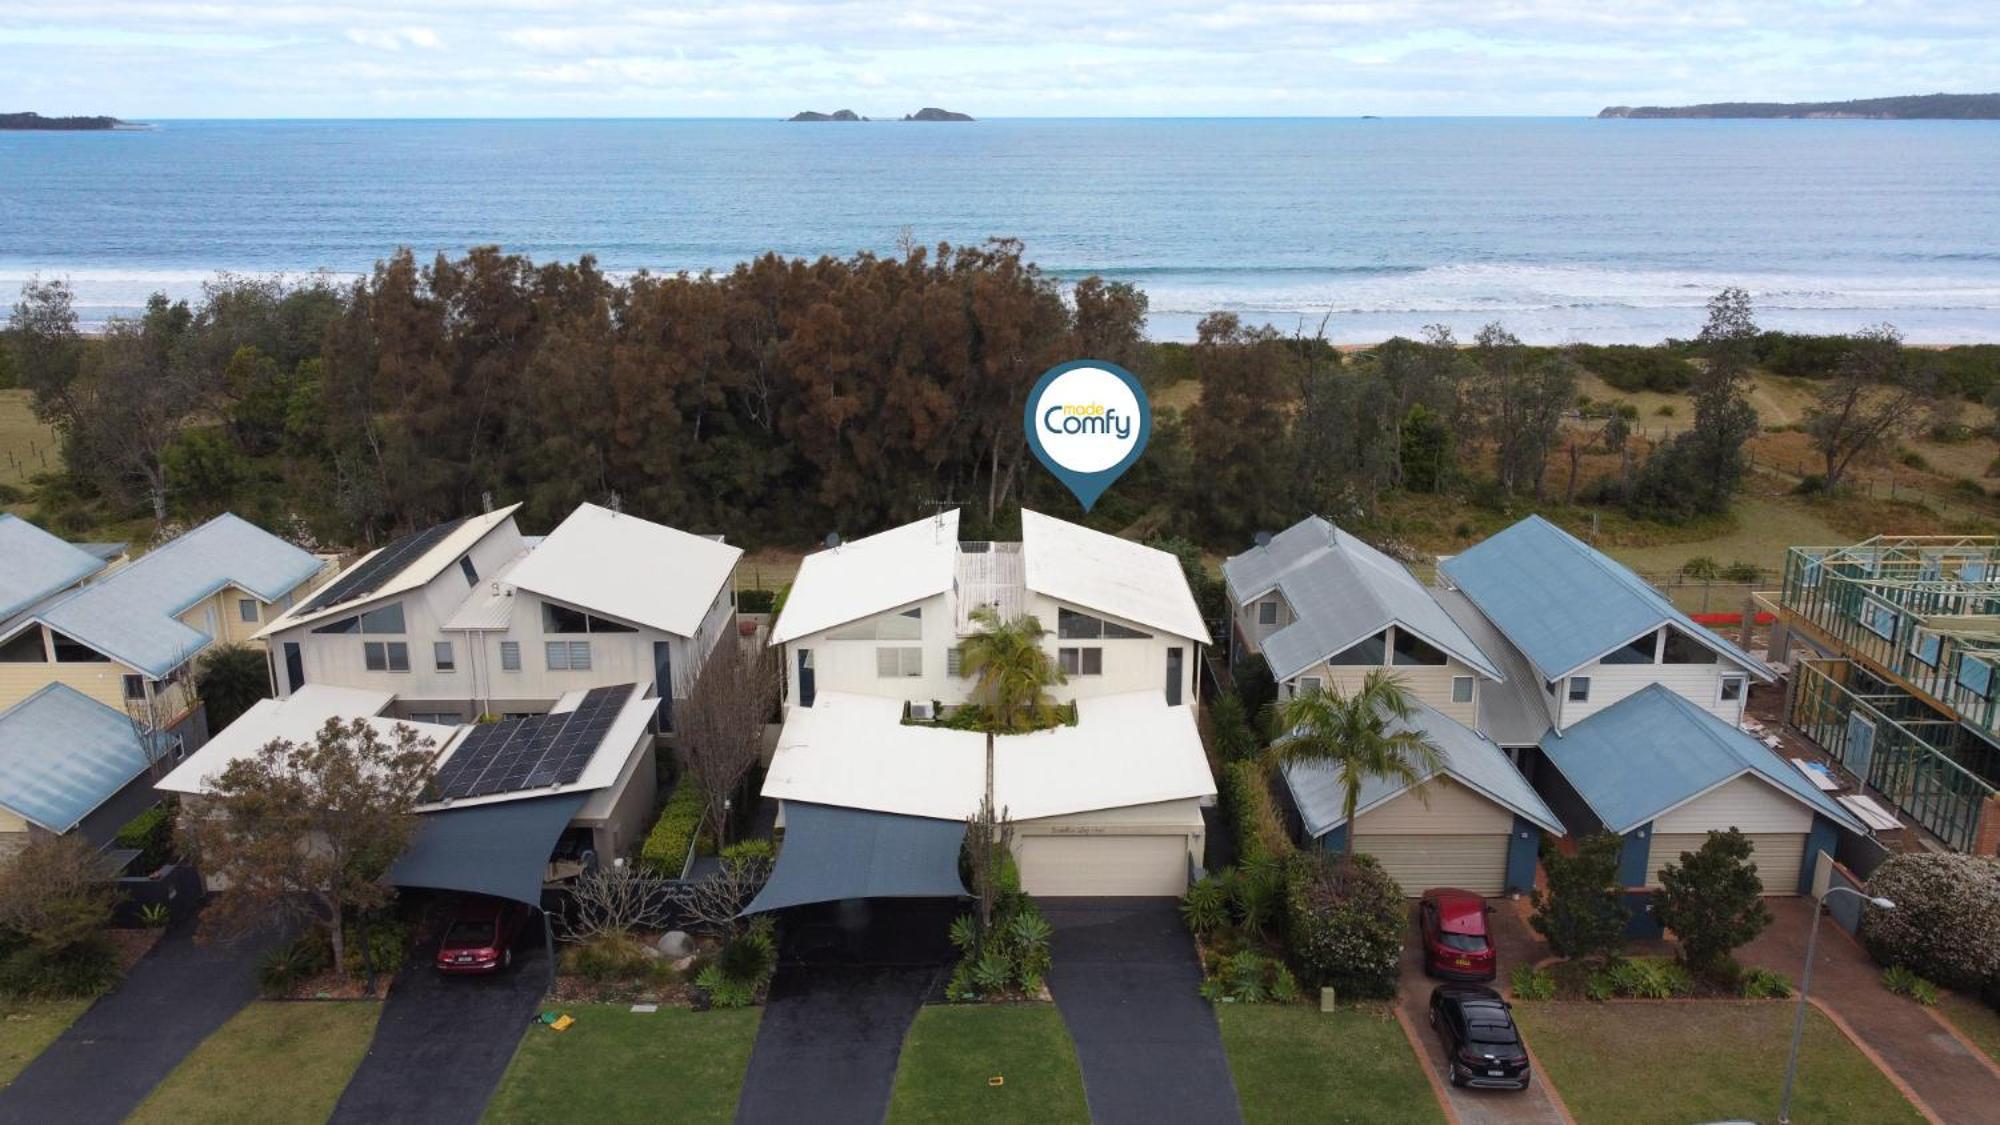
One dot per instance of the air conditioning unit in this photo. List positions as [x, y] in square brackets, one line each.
[922, 711]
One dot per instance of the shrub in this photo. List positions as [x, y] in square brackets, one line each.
[1740, 571]
[1582, 914]
[1345, 919]
[377, 944]
[1250, 977]
[1666, 410]
[608, 956]
[665, 851]
[1712, 900]
[281, 969]
[1763, 984]
[155, 915]
[1530, 983]
[1701, 568]
[1229, 723]
[1640, 978]
[1205, 907]
[1252, 815]
[1633, 367]
[78, 969]
[1014, 957]
[1946, 924]
[152, 833]
[755, 601]
[1904, 981]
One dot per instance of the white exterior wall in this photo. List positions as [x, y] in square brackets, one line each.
[1700, 684]
[1747, 803]
[1130, 664]
[849, 666]
[1430, 683]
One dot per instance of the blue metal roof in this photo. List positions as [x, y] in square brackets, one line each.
[1468, 758]
[131, 614]
[62, 754]
[1654, 750]
[1563, 603]
[35, 564]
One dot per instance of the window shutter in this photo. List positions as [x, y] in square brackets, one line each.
[510, 656]
[579, 656]
[954, 661]
[558, 654]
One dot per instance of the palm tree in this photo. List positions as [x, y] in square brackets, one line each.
[1351, 732]
[1012, 669]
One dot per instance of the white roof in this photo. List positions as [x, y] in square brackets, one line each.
[869, 576]
[855, 751]
[412, 576]
[629, 568]
[1144, 585]
[634, 722]
[297, 719]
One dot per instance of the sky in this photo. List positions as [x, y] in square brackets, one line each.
[1018, 58]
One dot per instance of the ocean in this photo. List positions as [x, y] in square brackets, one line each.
[1562, 229]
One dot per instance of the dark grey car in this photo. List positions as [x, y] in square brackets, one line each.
[1482, 1046]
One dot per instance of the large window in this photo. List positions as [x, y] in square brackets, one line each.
[1081, 661]
[1074, 626]
[1683, 649]
[386, 619]
[75, 652]
[895, 663]
[24, 647]
[1879, 618]
[1925, 645]
[386, 656]
[1368, 652]
[1412, 650]
[560, 619]
[1639, 651]
[567, 656]
[905, 626]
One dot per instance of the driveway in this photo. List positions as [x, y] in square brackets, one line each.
[1516, 945]
[829, 1041]
[443, 1042]
[1127, 981]
[104, 1064]
[1954, 1083]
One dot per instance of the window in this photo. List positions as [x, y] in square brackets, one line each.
[1414, 650]
[386, 656]
[1081, 661]
[1640, 651]
[510, 656]
[1925, 645]
[905, 626]
[442, 654]
[1879, 618]
[1975, 676]
[1579, 689]
[1683, 649]
[1368, 651]
[905, 663]
[442, 718]
[567, 656]
[246, 608]
[1310, 685]
[1732, 689]
[73, 652]
[135, 687]
[24, 647]
[466, 568]
[1809, 573]
[954, 661]
[561, 619]
[1461, 689]
[1074, 626]
[385, 619]
[1267, 612]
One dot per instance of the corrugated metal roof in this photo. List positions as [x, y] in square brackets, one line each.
[871, 575]
[632, 569]
[1563, 603]
[131, 614]
[1654, 750]
[1512, 713]
[408, 576]
[35, 564]
[62, 754]
[1467, 757]
[1095, 571]
[1341, 591]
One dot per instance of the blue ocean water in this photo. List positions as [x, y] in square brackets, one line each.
[1564, 229]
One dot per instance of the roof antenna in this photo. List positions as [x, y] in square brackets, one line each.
[832, 540]
[486, 501]
[616, 505]
[1263, 538]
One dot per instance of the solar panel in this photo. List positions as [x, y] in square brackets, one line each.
[381, 567]
[534, 752]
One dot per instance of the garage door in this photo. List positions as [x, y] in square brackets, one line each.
[1418, 863]
[1103, 865]
[1778, 856]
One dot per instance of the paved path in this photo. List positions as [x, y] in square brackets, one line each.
[829, 1041]
[104, 1064]
[443, 1042]
[1515, 944]
[1953, 1082]
[1127, 981]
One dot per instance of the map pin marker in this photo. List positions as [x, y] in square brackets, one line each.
[1088, 421]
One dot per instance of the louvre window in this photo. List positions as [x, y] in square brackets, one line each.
[510, 656]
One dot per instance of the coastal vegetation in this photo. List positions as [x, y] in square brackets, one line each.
[35, 122]
[1909, 107]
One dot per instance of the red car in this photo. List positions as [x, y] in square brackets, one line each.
[1456, 944]
[481, 936]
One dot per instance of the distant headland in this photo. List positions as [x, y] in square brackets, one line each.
[1944, 107]
[928, 113]
[35, 122]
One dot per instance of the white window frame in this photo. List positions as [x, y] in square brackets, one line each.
[1070, 658]
[1455, 682]
[1722, 685]
[899, 662]
[1310, 684]
[1870, 607]
[510, 656]
[1570, 689]
[1267, 611]
[443, 656]
[246, 610]
[1917, 639]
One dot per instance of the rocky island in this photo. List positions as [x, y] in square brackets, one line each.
[836, 115]
[36, 123]
[1946, 107]
[928, 113]
[933, 113]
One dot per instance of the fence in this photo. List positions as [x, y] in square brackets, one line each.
[1888, 488]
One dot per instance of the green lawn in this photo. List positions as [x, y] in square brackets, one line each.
[952, 1054]
[27, 1026]
[1702, 1060]
[1975, 1020]
[619, 1065]
[26, 446]
[1295, 1063]
[272, 1062]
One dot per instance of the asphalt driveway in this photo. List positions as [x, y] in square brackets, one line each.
[1127, 980]
[828, 1044]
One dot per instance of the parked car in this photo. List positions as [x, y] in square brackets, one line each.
[1481, 1042]
[1456, 944]
[480, 938]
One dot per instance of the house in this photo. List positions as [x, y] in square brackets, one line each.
[39, 565]
[1662, 771]
[69, 764]
[521, 803]
[870, 632]
[471, 618]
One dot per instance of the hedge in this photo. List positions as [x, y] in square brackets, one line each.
[1253, 817]
[666, 849]
[1345, 920]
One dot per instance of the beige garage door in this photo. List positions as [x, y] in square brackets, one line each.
[1778, 856]
[1472, 863]
[1103, 865]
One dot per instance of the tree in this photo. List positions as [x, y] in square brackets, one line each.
[989, 850]
[48, 350]
[1582, 914]
[307, 831]
[1712, 900]
[1011, 670]
[1523, 400]
[1352, 733]
[722, 724]
[1723, 417]
[55, 893]
[1239, 435]
[232, 679]
[1875, 394]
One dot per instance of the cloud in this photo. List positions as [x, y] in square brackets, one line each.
[395, 38]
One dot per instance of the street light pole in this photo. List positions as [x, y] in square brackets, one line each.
[1805, 984]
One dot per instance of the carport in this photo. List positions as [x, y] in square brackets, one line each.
[833, 853]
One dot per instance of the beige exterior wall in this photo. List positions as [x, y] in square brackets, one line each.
[103, 681]
[1430, 683]
[1251, 631]
[620, 816]
[1747, 803]
[1162, 818]
[1441, 807]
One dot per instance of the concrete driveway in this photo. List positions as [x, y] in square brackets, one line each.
[1126, 980]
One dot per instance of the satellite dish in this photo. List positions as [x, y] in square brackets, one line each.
[832, 539]
[1263, 538]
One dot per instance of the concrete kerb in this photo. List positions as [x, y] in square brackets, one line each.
[1424, 1063]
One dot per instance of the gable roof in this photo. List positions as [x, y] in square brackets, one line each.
[1095, 571]
[132, 614]
[628, 568]
[62, 754]
[1341, 591]
[35, 564]
[1565, 604]
[869, 576]
[403, 564]
[1654, 750]
[1466, 756]
[1514, 712]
